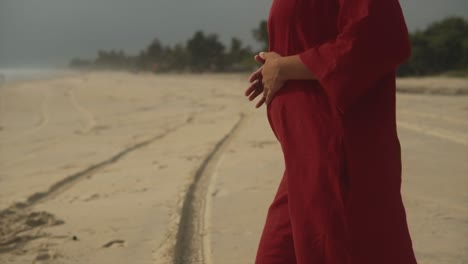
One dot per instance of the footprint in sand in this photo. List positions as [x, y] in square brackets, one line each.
[45, 255]
[114, 243]
[68, 166]
[140, 190]
[159, 166]
[99, 128]
[92, 197]
[192, 157]
[36, 219]
[261, 144]
[219, 193]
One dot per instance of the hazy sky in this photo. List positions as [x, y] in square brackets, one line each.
[48, 32]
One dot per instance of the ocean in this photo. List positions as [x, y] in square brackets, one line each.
[9, 75]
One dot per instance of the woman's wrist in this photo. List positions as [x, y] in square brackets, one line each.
[292, 68]
[282, 65]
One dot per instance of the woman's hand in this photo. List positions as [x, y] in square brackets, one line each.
[256, 85]
[276, 70]
[271, 80]
[266, 79]
[271, 77]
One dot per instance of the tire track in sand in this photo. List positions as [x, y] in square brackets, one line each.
[192, 242]
[72, 179]
[15, 221]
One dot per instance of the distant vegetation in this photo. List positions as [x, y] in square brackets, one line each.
[442, 48]
[201, 53]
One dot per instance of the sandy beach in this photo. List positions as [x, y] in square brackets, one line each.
[138, 168]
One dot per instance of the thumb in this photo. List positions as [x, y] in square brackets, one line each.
[259, 59]
[264, 55]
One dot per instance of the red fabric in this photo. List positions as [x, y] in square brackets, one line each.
[339, 201]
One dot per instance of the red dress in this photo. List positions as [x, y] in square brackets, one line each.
[339, 201]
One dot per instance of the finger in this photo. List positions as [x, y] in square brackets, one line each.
[264, 55]
[250, 89]
[260, 103]
[265, 93]
[259, 59]
[255, 94]
[254, 86]
[256, 75]
[269, 98]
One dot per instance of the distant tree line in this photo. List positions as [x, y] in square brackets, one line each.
[441, 48]
[201, 53]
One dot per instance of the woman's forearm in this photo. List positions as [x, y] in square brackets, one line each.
[292, 68]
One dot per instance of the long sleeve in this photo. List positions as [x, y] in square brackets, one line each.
[372, 41]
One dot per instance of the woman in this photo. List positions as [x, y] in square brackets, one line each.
[329, 86]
